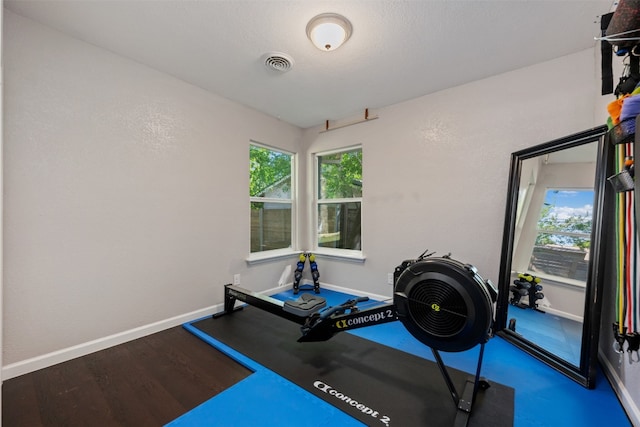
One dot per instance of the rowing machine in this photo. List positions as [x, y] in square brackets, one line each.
[443, 303]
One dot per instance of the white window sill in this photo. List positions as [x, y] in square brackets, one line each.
[562, 281]
[350, 256]
[260, 257]
[557, 280]
[343, 255]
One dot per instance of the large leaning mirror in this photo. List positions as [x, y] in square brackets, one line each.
[552, 259]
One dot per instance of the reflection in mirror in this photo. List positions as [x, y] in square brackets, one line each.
[549, 302]
[551, 249]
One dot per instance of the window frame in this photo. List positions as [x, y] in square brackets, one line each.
[346, 254]
[292, 201]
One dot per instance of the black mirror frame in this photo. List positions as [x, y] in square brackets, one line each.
[585, 374]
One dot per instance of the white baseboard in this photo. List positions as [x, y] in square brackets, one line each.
[564, 314]
[39, 362]
[356, 292]
[29, 365]
[630, 407]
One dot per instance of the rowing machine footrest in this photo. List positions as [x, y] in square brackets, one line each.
[305, 306]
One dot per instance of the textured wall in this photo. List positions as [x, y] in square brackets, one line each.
[125, 192]
[436, 168]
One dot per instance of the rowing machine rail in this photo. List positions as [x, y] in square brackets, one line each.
[318, 326]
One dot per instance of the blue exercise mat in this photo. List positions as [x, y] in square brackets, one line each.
[372, 383]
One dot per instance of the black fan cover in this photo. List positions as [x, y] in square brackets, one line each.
[444, 304]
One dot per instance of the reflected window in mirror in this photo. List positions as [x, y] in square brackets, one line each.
[561, 248]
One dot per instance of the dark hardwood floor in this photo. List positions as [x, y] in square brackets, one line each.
[146, 382]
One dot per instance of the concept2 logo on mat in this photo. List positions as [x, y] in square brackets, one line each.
[326, 388]
[364, 320]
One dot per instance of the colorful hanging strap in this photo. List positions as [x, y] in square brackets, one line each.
[627, 306]
[620, 249]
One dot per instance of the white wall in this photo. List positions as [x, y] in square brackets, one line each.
[436, 168]
[126, 198]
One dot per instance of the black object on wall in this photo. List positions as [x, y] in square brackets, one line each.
[585, 372]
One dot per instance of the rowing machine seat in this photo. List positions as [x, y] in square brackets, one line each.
[305, 305]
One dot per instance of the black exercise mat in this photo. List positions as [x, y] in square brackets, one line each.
[375, 384]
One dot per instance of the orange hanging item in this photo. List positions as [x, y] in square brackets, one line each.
[615, 108]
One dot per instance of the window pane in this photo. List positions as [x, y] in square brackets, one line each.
[269, 173]
[270, 226]
[339, 225]
[340, 175]
[564, 234]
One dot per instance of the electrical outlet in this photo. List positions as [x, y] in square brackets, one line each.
[390, 278]
[236, 279]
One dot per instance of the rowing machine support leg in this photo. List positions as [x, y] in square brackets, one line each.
[229, 303]
[464, 403]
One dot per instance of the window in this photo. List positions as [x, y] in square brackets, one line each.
[271, 198]
[564, 234]
[339, 199]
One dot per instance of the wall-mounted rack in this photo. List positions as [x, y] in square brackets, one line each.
[367, 118]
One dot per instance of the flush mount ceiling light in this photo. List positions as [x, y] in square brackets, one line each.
[328, 31]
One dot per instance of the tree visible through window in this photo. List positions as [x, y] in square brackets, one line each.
[270, 195]
[339, 181]
[564, 234]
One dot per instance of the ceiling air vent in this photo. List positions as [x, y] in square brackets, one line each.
[277, 61]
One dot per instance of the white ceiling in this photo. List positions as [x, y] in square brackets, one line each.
[398, 50]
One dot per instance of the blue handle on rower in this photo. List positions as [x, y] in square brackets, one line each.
[349, 304]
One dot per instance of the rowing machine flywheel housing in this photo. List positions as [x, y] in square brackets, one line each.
[444, 303]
